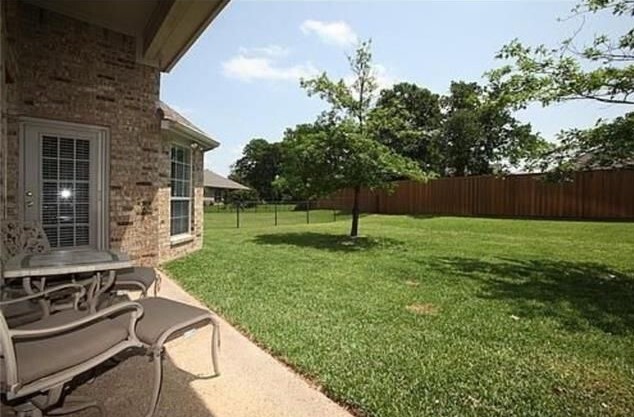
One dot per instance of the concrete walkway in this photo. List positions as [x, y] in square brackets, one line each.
[252, 384]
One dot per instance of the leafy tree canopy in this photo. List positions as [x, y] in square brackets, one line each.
[407, 119]
[258, 167]
[602, 71]
[480, 136]
[468, 132]
[321, 159]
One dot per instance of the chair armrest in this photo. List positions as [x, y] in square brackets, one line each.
[44, 293]
[136, 308]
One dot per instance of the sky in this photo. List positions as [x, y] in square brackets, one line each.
[240, 80]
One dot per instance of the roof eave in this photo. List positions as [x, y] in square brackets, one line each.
[179, 26]
[206, 142]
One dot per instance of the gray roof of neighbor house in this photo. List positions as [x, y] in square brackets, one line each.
[587, 161]
[218, 181]
[173, 120]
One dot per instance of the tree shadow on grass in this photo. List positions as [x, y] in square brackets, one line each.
[576, 294]
[324, 241]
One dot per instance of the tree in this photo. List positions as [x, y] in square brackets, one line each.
[479, 135]
[601, 71]
[407, 119]
[258, 167]
[238, 197]
[338, 150]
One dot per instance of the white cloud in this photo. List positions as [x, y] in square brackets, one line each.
[269, 50]
[248, 68]
[338, 33]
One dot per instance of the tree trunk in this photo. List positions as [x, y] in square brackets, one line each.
[354, 231]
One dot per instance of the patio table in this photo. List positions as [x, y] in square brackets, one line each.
[57, 264]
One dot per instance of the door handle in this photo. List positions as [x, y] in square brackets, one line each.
[29, 204]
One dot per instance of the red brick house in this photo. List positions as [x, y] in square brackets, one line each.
[87, 149]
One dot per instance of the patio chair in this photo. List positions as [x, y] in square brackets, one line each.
[164, 320]
[37, 360]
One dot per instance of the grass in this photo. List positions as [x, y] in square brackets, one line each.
[436, 316]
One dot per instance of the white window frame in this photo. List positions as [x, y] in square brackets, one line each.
[180, 237]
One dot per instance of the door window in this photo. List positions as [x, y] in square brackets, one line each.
[65, 202]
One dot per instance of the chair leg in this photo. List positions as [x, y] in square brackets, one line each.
[157, 356]
[157, 284]
[215, 344]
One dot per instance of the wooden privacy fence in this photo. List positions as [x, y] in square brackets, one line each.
[606, 194]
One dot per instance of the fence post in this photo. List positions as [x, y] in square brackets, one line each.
[275, 208]
[237, 215]
[308, 212]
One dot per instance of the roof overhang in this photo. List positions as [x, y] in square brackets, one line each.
[164, 29]
[188, 134]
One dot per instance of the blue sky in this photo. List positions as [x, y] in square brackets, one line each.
[240, 80]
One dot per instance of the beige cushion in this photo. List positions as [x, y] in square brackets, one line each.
[161, 315]
[18, 314]
[141, 274]
[41, 357]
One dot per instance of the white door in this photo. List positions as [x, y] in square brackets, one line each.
[63, 183]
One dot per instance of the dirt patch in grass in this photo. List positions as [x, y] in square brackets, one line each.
[426, 309]
[608, 389]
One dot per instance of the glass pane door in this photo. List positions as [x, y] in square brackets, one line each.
[65, 191]
[63, 186]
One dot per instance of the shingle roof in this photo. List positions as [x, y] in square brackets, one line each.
[169, 114]
[174, 116]
[211, 179]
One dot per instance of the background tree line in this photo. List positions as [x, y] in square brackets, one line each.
[467, 132]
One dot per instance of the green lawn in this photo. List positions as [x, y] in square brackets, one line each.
[436, 316]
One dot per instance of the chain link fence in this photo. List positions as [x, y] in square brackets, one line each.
[258, 214]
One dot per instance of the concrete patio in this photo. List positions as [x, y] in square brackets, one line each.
[252, 383]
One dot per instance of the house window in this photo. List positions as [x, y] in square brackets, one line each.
[181, 197]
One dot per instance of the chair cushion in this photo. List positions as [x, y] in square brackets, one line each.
[45, 356]
[141, 274]
[161, 315]
[18, 314]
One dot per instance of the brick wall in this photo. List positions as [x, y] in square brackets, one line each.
[71, 71]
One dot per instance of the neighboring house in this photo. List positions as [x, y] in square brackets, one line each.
[87, 149]
[217, 187]
[589, 161]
